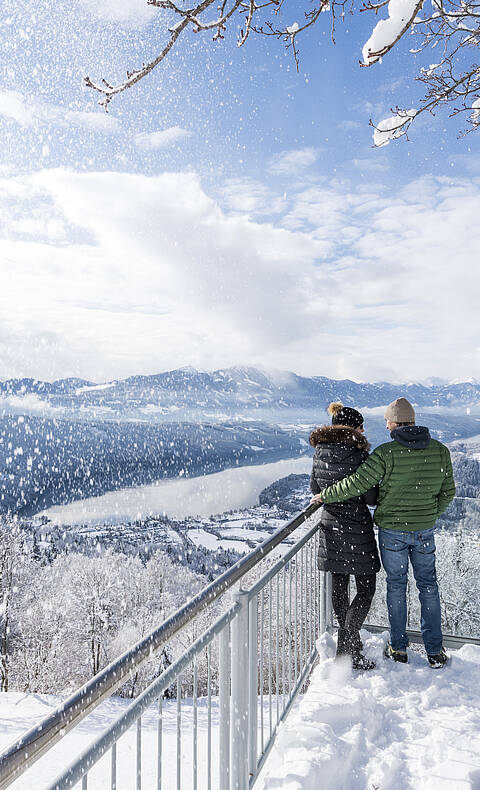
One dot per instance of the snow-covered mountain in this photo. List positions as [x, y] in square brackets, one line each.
[226, 391]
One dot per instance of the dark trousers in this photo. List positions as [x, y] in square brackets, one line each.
[351, 616]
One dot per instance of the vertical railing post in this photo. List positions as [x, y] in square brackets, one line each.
[239, 696]
[224, 706]
[328, 603]
[252, 684]
[323, 612]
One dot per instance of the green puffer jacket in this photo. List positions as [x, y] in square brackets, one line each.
[415, 476]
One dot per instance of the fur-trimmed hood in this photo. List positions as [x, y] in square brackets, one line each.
[339, 434]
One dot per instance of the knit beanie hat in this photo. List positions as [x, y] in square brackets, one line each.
[344, 415]
[401, 410]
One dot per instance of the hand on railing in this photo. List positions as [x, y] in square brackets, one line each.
[316, 500]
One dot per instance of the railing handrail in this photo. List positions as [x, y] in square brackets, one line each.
[449, 640]
[114, 731]
[35, 742]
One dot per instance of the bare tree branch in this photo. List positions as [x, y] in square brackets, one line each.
[451, 27]
[188, 16]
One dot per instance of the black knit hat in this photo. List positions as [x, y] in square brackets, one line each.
[345, 415]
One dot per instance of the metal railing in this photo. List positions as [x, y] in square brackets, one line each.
[448, 640]
[229, 690]
[264, 645]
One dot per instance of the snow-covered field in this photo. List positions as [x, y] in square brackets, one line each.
[179, 498]
[200, 537]
[20, 711]
[400, 727]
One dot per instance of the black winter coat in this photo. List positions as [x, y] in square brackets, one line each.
[347, 540]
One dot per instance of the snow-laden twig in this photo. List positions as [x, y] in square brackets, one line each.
[452, 25]
[388, 32]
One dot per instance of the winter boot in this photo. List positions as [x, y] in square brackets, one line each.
[359, 661]
[438, 660]
[396, 655]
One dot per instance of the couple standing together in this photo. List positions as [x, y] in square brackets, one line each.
[409, 480]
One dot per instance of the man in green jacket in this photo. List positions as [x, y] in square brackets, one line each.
[415, 478]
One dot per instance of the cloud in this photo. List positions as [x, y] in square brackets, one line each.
[199, 275]
[133, 12]
[98, 121]
[13, 105]
[28, 111]
[150, 141]
[350, 126]
[291, 162]
[149, 273]
[25, 403]
[251, 197]
[373, 165]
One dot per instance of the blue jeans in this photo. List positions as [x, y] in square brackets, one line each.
[395, 550]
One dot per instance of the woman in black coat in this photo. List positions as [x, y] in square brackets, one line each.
[347, 540]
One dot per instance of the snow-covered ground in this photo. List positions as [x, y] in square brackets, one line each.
[20, 711]
[234, 537]
[200, 537]
[399, 727]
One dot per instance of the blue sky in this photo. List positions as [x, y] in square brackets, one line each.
[227, 210]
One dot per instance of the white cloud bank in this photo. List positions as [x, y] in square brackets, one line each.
[133, 12]
[13, 105]
[292, 162]
[28, 111]
[151, 141]
[142, 274]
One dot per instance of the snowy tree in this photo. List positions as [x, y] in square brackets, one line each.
[149, 599]
[458, 561]
[12, 561]
[449, 27]
[63, 621]
[96, 589]
[44, 656]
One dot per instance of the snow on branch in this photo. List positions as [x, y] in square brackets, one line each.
[392, 128]
[443, 88]
[451, 25]
[387, 32]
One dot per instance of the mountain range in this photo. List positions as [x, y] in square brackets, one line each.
[229, 390]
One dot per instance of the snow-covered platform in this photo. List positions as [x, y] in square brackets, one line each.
[398, 727]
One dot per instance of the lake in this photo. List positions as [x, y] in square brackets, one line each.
[181, 497]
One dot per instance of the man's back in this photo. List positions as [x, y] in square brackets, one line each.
[415, 476]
